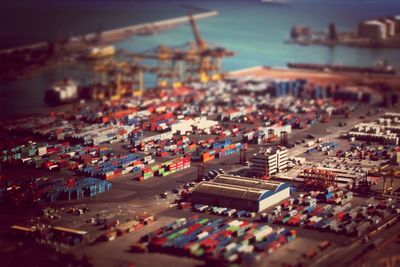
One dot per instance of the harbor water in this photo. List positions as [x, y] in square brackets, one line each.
[254, 30]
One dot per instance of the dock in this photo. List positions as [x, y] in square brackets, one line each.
[120, 33]
[320, 77]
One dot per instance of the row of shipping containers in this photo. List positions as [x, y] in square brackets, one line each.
[91, 161]
[302, 88]
[52, 189]
[52, 156]
[116, 166]
[221, 240]
[221, 151]
[321, 212]
[166, 168]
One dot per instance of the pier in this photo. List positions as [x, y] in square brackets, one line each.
[120, 33]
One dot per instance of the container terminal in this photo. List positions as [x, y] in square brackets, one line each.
[255, 167]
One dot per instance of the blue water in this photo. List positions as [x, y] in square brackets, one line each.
[255, 31]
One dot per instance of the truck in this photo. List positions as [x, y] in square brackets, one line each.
[310, 143]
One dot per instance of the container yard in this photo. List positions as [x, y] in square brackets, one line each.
[267, 165]
[255, 167]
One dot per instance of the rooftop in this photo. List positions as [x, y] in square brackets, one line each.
[240, 187]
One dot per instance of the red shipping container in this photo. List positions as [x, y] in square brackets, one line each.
[71, 182]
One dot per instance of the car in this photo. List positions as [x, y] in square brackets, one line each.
[139, 247]
[250, 214]
[240, 213]
[221, 211]
[164, 194]
[230, 212]
[214, 173]
[202, 208]
[175, 190]
[264, 216]
[324, 245]
[310, 254]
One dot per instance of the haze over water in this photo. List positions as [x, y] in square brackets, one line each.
[255, 31]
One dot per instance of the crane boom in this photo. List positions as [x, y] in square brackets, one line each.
[201, 44]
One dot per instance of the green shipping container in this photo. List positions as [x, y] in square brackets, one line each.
[198, 252]
[194, 247]
[203, 221]
[155, 167]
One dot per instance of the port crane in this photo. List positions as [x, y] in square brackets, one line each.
[171, 63]
[189, 62]
[118, 79]
[319, 178]
[209, 65]
[387, 173]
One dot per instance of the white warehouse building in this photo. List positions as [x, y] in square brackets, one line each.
[240, 193]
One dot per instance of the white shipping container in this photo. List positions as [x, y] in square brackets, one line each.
[25, 159]
[42, 151]
[230, 246]
[202, 235]
[235, 223]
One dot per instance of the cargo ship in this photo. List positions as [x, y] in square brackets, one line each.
[100, 52]
[381, 68]
[65, 91]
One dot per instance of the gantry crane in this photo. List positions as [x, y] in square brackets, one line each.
[118, 79]
[189, 62]
[386, 172]
[209, 58]
[172, 63]
[319, 178]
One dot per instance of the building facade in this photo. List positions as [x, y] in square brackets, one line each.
[373, 29]
[240, 193]
[270, 161]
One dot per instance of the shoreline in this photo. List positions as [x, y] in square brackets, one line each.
[321, 77]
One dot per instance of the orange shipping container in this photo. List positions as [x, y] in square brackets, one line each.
[105, 119]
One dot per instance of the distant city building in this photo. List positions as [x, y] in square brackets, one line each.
[373, 29]
[270, 161]
[396, 20]
[240, 193]
[390, 26]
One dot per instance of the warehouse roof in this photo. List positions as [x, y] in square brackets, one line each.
[240, 187]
